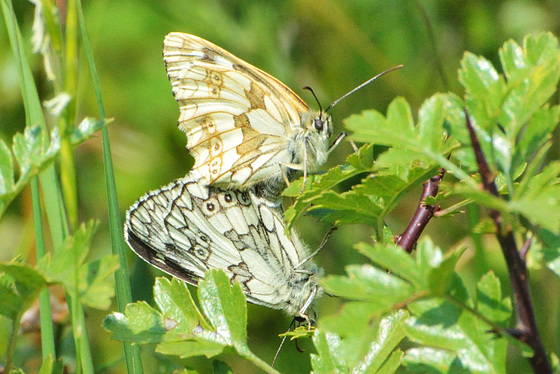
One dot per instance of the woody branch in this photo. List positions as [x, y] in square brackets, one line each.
[526, 326]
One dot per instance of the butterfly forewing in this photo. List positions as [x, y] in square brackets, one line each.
[241, 123]
[186, 228]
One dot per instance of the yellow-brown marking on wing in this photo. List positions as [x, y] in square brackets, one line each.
[256, 96]
[252, 139]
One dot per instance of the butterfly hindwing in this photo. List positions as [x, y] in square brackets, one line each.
[186, 228]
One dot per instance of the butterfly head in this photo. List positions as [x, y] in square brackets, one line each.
[322, 124]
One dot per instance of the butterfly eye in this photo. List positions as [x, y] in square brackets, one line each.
[318, 124]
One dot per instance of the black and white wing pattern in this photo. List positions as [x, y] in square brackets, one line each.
[186, 228]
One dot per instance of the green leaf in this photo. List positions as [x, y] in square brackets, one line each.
[432, 361]
[367, 283]
[32, 155]
[220, 367]
[484, 90]
[353, 319]
[549, 254]
[28, 148]
[411, 144]
[533, 73]
[395, 259]
[92, 282]
[96, 283]
[542, 191]
[490, 302]
[363, 353]
[326, 361]
[20, 284]
[226, 307]
[180, 328]
[62, 265]
[449, 328]
[6, 169]
[357, 163]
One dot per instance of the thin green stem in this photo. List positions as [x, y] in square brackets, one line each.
[123, 291]
[12, 342]
[67, 166]
[47, 333]
[258, 362]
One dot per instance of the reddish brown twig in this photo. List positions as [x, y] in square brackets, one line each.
[422, 215]
[526, 326]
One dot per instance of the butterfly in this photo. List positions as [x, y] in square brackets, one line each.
[187, 227]
[243, 126]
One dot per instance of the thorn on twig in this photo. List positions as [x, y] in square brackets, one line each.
[526, 247]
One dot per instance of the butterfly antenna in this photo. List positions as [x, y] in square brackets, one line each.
[292, 324]
[362, 85]
[326, 238]
[316, 99]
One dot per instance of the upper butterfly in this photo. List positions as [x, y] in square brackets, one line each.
[243, 125]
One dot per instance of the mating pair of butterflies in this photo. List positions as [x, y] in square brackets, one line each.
[248, 133]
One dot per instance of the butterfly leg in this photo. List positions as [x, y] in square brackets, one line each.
[284, 166]
[303, 311]
[337, 141]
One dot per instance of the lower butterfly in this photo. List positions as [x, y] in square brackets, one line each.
[186, 228]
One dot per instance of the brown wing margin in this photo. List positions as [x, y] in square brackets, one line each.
[150, 255]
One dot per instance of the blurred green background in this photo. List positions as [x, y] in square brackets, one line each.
[330, 45]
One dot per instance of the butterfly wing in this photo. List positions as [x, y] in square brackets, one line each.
[238, 119]
[186, 228]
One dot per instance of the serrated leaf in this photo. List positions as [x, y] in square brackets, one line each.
[96, 283]
[364, 353]
[34, 153]
[490, 302]
[368, 202]
[179, 327]
[367, 283]
[93, 281]
[20, 284]
[319, 184]
[325, 361]
[226, 307]
[543, 191]
[176, 303]
[533, 73]
[28, 147]
[550, 251]
[62, 265]
[395, 259]
[140, 324]
[410, 143]
[446, 327]
[484, 90]
[536, 134]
